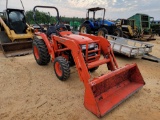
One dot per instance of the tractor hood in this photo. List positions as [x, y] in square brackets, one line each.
[108, 23]
[78, 38]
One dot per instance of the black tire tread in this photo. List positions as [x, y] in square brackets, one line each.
[104, 30]
[65, 68]
[43, 52]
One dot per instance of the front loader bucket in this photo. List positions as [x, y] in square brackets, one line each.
[17, 48]
[13, 49]
[104, 93]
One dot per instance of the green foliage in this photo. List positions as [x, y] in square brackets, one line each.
[71, 19]
[45, 18]
[41, 18]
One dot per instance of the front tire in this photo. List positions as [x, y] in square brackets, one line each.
[102, 32]
[61, 68]
[40, 52]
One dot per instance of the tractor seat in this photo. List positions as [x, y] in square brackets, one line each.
[51, 30]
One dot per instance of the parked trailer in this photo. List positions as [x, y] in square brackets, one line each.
[132, 48]
[128, 47]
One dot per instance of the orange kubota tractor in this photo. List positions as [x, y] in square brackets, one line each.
[62, 47]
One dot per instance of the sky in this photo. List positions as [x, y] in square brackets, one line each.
[77, 8]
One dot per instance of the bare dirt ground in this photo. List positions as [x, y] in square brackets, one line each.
[32, 92]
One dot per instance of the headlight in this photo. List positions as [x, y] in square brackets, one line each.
[92, 45]
[83, 47]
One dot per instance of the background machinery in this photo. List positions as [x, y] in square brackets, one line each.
[99, 26]
[155, 26]
[15, 34]
[143, 24]
[75, 25]
[128, 27]
[102, 93]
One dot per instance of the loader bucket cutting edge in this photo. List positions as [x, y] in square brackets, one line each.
[110, 90]
[16, 48]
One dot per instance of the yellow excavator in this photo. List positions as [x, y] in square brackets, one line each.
[15, 34]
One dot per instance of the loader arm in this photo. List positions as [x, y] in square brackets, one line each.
[5, 27]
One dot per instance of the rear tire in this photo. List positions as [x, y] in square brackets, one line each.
[102, 32]
[85, 28]
[40, 52]
[61, 68]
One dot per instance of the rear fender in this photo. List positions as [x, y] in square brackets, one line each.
[90, 23]
[48, 44]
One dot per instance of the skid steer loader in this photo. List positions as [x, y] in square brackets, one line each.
[128, 27]
[102, 93]
[15, 34]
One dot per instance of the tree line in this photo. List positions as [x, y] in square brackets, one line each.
[46, 18]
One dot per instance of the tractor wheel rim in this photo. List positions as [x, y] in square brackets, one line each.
[100, 33]
[58, 69]
[83, 29]
[36, 53]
